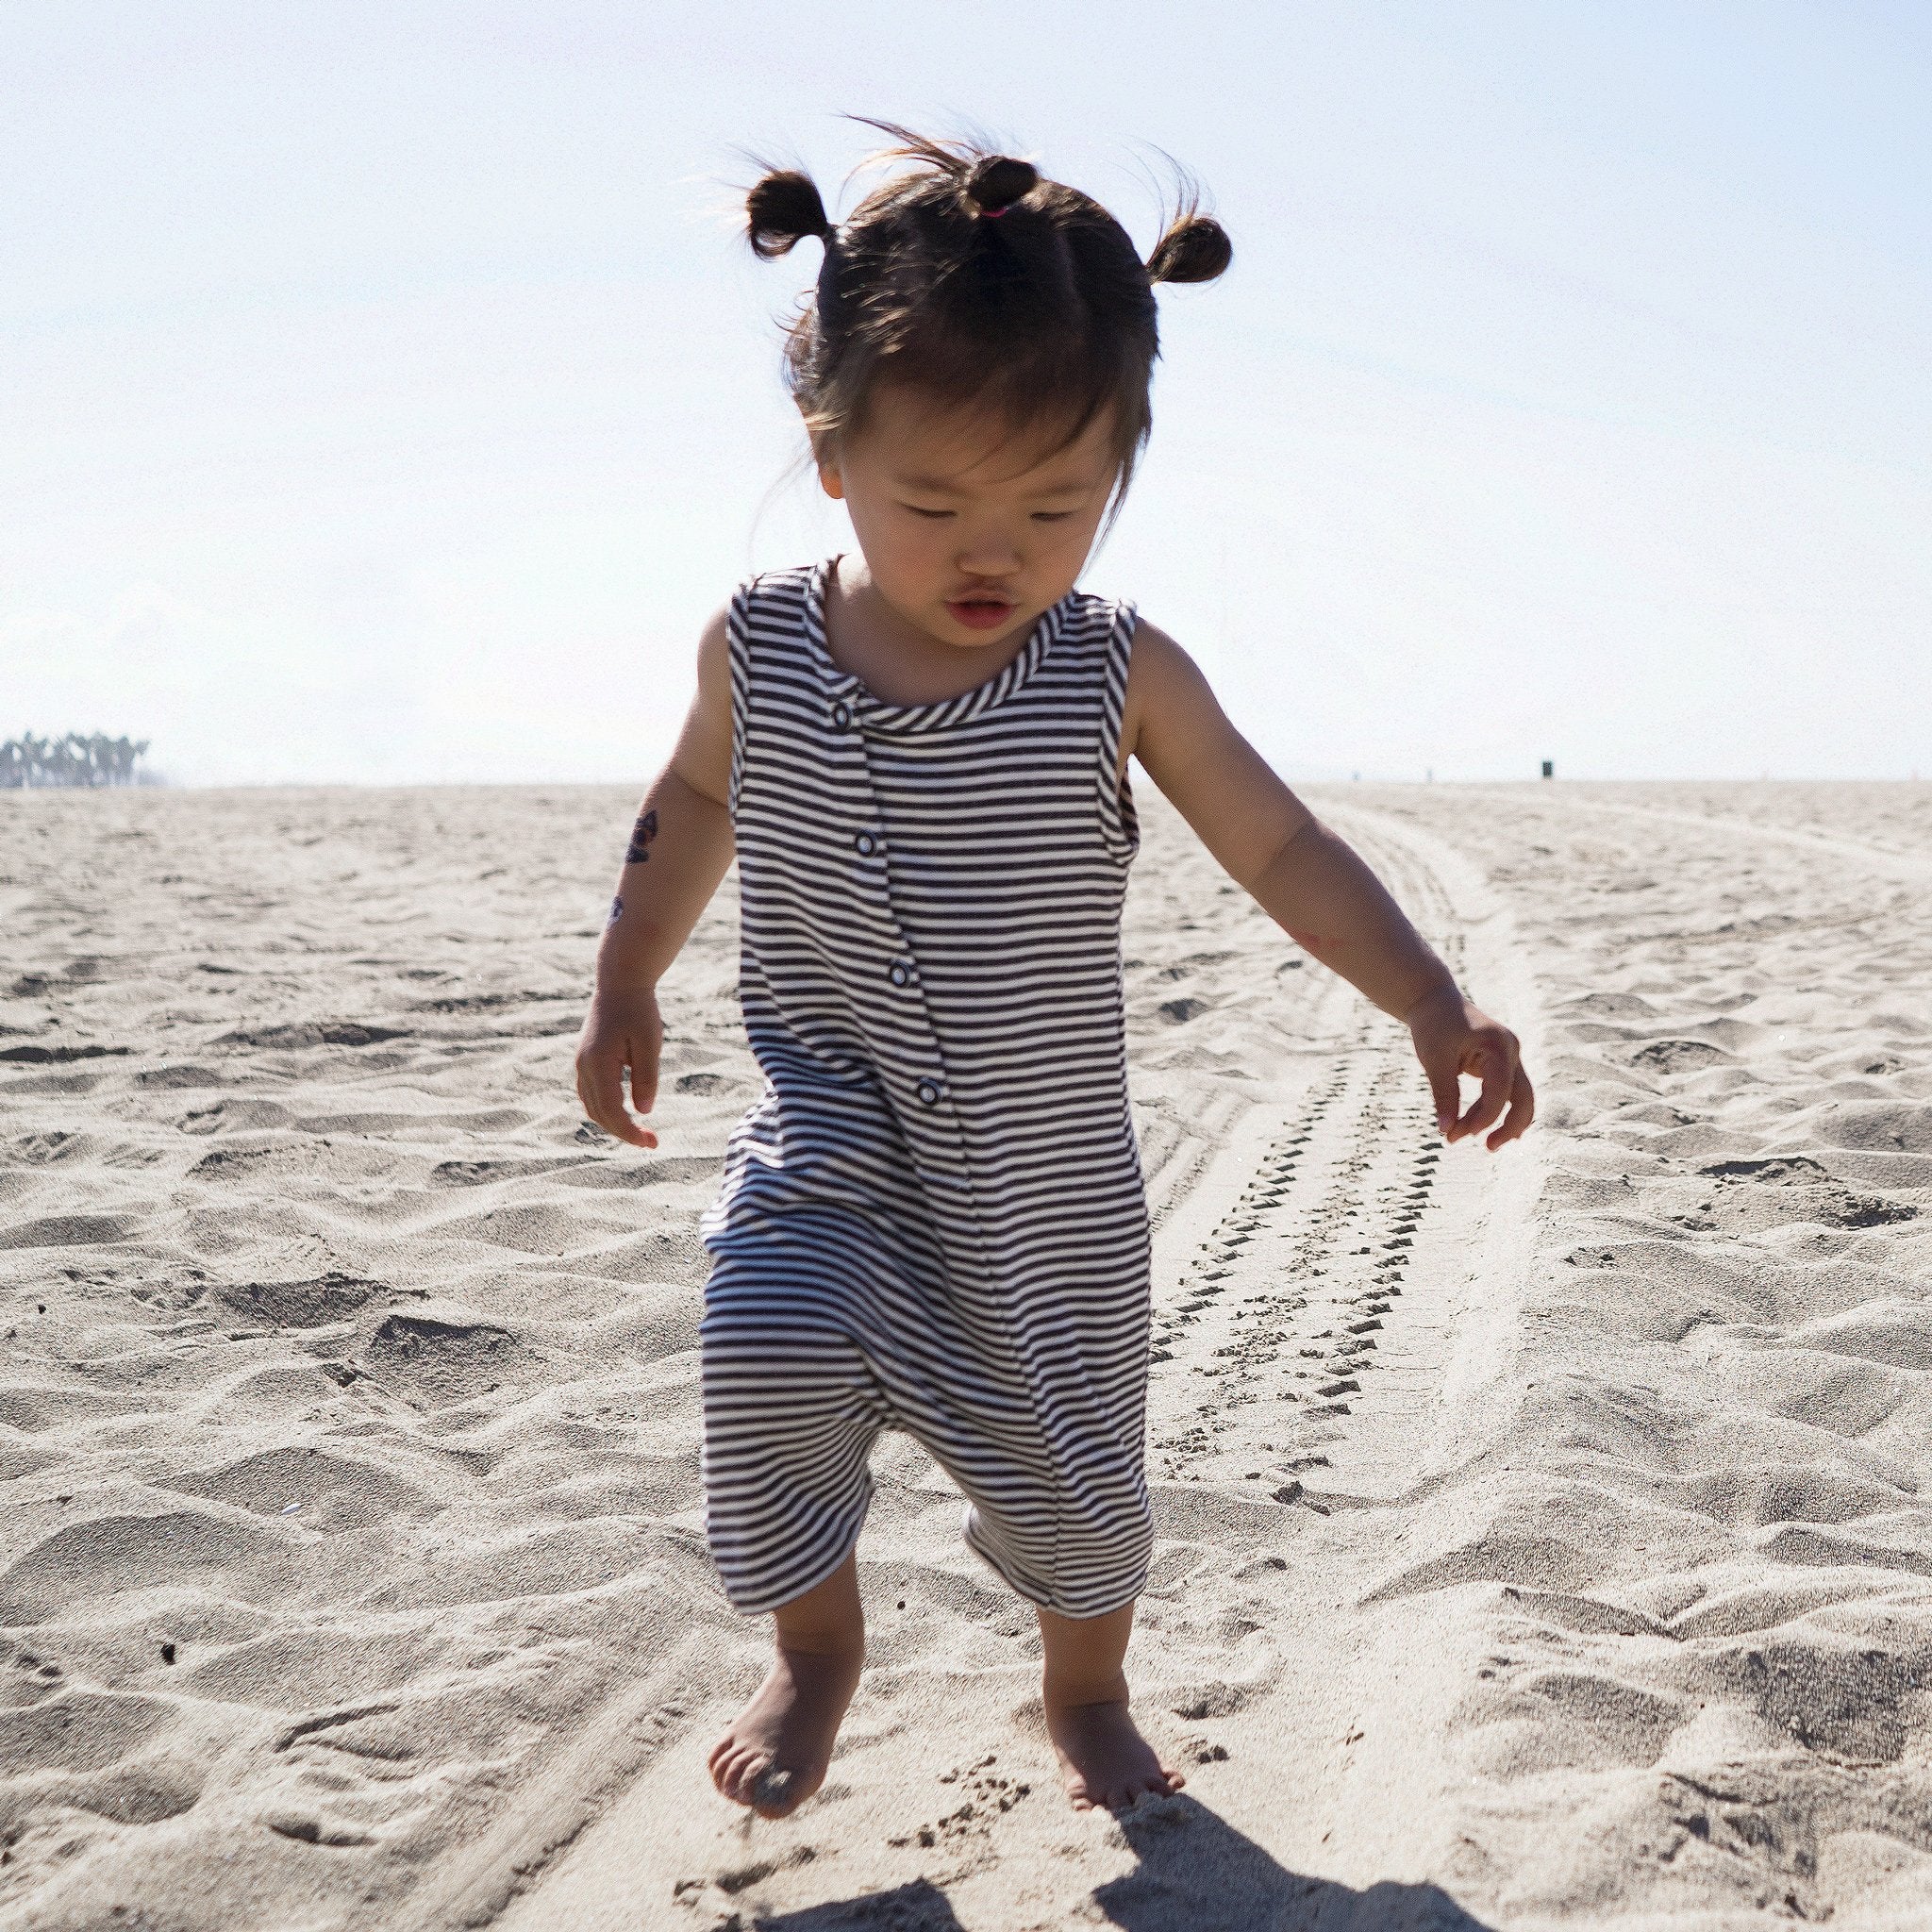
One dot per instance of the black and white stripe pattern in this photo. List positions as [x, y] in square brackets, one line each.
[934, 1220]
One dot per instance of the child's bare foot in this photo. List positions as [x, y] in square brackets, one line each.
[1104, 1758]
[773, 1756]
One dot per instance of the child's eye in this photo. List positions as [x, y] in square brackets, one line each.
[918, 512]
[1051, 516]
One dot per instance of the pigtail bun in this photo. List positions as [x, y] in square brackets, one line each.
[995, 182]
[781, 210]
[1194, 249]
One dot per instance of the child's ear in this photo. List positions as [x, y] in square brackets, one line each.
[823, 457]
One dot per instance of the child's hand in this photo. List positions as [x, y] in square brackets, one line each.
[619, 1034]
[1453, 1038]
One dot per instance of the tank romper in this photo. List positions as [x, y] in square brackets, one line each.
[934, 1219]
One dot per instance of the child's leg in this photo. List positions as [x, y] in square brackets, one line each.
[773, 1756]
[1105, 1760]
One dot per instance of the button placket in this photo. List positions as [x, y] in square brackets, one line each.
[937, 1124]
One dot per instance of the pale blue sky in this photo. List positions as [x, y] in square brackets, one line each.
[386, 396]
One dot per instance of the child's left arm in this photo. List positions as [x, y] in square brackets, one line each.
[1314, 885]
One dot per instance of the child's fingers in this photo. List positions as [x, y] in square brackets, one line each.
[620, 1127]
[643, 1056]
[1498, 1066]
[600, 1091]
[1445, 1092]
[1521, 1111]
[643, 1097]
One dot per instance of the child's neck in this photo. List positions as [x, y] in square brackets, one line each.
[896, 661]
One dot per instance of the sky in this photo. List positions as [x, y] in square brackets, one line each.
[387, 395]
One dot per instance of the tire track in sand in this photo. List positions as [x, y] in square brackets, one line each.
[1300, 1342]
[1261, 1346]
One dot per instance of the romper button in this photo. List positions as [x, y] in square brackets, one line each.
[867, 844]
[842, 716]
[899, 974]
[928, 1093]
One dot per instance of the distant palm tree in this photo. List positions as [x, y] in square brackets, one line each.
[70, 760]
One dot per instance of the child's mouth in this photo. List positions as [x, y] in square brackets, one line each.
[979, 613]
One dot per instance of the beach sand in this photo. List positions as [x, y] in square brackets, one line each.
[1541, 1539]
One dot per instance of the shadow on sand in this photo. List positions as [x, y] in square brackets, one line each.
[1196, 1874]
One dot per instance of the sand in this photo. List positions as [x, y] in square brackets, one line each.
[1541, 1539]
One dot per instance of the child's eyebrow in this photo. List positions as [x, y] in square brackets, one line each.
[939, 485]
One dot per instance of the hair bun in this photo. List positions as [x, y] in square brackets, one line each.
[1194, 249]
[995, 182]
[781, 210]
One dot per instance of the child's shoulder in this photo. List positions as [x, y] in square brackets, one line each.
[1100, 602]
[795, 581]
[1098, 614]
[772, 609]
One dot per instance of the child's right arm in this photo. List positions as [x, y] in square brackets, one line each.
[680, 848]
[1317, 888]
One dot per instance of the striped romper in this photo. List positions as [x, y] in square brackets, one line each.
[933, 1221]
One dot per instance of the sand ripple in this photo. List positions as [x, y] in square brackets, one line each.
[1540, 1542]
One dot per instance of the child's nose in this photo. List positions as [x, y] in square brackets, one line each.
[988, 557]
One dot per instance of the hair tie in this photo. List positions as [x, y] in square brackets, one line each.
[995, 182]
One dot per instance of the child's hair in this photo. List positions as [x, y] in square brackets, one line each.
[973, 280]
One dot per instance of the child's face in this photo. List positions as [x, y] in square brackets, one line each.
[968, 532]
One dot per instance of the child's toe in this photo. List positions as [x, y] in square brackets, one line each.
[737, 1775]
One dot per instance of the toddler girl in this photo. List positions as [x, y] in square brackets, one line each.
[933, 1221]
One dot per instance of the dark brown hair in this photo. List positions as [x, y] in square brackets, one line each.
[970, 278]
